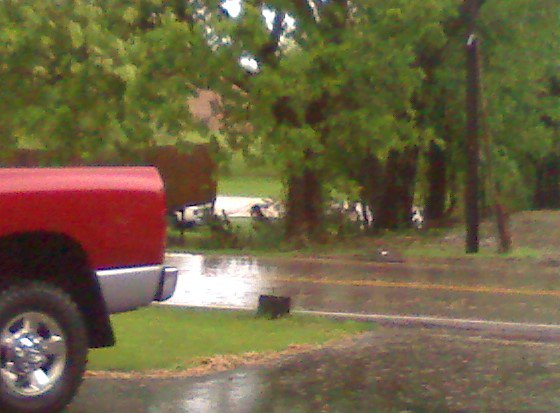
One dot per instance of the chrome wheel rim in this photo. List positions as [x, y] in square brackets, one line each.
[32, 354]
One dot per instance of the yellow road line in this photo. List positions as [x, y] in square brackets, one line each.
[422, 286]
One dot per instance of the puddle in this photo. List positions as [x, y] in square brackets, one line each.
[210, 281]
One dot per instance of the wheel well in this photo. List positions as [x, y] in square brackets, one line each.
[60, 260]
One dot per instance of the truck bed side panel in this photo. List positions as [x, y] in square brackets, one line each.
[116, 214]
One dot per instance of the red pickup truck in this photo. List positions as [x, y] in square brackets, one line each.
[76, 244]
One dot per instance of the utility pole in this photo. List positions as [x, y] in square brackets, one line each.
[472, 212]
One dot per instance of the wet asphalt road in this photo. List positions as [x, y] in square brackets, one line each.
[388, 370]
[517, 292]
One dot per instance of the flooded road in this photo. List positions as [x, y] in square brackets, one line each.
[205, 281]
[387, 370]
[518, 293]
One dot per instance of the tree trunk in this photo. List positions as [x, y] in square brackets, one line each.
[369, 177]
[472, 184]
[547, 191]
[313, 206]
[493, 191]
[437, 178]
[407, 175]
[304, 204]
[304, 207]
[397, 199]
[387, 212]
[294, 206]
[504, 232]
[539, 198]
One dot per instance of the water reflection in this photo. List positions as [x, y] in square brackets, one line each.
[385, 371]
[238, 281]
[205, 281]
[236, 393]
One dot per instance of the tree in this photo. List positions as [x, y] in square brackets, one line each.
[473, 105]
[364, 97]
[86, 77]
[520, 42]
[333, 89]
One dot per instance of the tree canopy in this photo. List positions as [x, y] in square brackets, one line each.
[95, 75]
[363, 97]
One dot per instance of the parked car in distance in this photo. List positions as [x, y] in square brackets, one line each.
[245, 207]
[76, 245]
[190, 216]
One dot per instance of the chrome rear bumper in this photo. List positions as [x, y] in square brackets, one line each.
[125, 289]
[168, 282]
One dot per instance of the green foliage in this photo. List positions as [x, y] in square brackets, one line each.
[268, 187]
[334, 82]
[339, 82]
[520, 51]
[91, 76]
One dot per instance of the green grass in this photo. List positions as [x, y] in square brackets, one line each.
[410, 244]
[201, 238]
[240, 178]
[431, 251]
[254, 186]
[174, 338]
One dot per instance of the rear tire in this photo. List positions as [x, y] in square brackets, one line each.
[43, 349]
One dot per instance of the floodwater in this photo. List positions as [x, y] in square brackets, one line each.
[510, 292]
[205, 281]
[387, 370]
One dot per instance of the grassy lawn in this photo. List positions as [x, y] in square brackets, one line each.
[435, 243]
[175, 339]
[435, 251]
[201, 239]
[242, 179]
[536, 237]
[253, 186]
